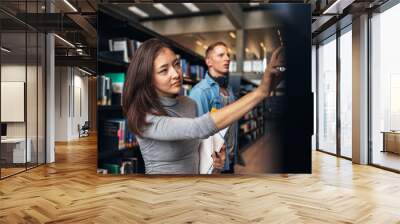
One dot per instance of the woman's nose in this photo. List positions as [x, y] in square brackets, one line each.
[174, 73]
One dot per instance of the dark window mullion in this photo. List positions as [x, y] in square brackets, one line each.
[338, 92]
[26, 86]
[37, 90]
[317, 96]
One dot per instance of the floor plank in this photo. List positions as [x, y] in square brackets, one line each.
[70, 191]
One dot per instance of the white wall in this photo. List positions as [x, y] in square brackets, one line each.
[16, 73]
[80, 112]
[61, 103]
[33, 127]
[71, 93]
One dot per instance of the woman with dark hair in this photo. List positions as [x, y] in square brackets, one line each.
[166, 124]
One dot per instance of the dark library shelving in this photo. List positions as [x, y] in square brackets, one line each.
[257, 116]
[110, 107]
[121, 152]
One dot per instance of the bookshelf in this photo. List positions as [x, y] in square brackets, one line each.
[265, 118]
[252, 124]
[118, 37]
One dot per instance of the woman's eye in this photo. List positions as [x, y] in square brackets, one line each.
[163, 71]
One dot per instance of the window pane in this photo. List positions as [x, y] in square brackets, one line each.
[327, 96]
[385, 86]
[346, 94]
[41, 99]
[14, 153]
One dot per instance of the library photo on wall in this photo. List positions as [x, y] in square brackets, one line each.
[196, 88]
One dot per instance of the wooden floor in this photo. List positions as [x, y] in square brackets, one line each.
[10, 171]
[70, 191]
[258, 158]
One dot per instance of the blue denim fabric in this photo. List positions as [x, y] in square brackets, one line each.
[207, 96]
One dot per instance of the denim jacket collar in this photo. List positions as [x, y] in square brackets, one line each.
[210, 80]
[215, 87]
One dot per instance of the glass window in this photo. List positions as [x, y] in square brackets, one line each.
[31, 99]
[15, 149]
[346, 94]
[327, 96]
[22, 91]
[385, 88]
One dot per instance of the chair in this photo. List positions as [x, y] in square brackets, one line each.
[84, 130]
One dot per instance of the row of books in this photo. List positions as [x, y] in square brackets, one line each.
[254, 113]
[251, 125]
[126, 45]
[116, 136]
[197, 72]
[194, 72]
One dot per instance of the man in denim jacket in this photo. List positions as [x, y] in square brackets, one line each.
[213, 92]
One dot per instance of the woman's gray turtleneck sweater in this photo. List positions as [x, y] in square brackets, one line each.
[170, 144]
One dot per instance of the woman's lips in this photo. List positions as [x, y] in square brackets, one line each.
[176, 84]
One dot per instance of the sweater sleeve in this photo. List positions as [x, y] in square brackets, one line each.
[178, 128]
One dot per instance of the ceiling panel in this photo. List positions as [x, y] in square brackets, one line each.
[178, 9]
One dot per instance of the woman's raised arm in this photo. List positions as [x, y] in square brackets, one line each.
[271, 78]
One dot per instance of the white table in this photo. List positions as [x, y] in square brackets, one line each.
[18, 149]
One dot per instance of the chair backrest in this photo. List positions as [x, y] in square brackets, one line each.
[86, 125]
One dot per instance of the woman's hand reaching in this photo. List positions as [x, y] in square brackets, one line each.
[271, 78]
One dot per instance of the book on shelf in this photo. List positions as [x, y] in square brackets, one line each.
[117, 86]
[103, 90]
[110, 89]
[130, 140]
[185, 66]
[127, 165]
[102, 171]
[111, 168]
[249, 126]
[116, 135]
[197, 72]
[120, 44]
[126, 45]
[113, 134]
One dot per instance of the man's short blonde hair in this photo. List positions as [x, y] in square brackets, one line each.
[212, 46]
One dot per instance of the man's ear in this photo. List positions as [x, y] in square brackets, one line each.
[208, 62]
